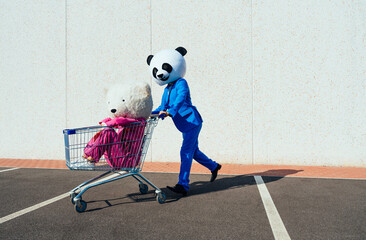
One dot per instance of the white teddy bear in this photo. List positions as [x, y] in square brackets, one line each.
[129, 100]
[129, 104]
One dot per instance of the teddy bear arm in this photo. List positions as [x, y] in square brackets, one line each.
[121, 121]
[105, 121]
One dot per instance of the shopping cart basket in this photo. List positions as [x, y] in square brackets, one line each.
[119, 151]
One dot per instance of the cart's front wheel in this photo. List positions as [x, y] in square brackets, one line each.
[143, 188]
[80, 206]
[161, 197]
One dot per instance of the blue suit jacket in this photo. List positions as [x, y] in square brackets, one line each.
[177, 101]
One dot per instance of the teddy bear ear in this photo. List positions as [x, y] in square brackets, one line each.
[145, 89]
[148, 60]
[181, 50]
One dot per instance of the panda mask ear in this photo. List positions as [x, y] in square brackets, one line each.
[148, 60]
[181, 50]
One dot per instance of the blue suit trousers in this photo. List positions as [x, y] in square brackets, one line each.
[190, 151]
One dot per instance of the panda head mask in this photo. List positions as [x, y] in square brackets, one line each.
[168, 65]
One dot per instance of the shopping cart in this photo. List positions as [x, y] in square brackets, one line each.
[119, 151]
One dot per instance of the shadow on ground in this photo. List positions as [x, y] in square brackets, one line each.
[225, 183]
[197, 188]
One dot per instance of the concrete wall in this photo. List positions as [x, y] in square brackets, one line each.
[277, 82]
[32, 75]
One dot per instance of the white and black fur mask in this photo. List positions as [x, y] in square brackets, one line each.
[167, 65]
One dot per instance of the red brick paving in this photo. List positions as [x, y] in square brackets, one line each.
[235, 169]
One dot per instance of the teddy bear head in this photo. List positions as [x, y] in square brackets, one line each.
[130, 100]
[167, 65]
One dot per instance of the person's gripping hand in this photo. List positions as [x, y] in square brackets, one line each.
[166, 114]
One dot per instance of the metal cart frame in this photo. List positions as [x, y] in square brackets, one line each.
[77, 139]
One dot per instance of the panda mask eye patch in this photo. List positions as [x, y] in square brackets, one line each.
[167, 67]
[155, 70]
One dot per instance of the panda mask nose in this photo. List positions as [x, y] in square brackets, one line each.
[114, 110]
[163, 76]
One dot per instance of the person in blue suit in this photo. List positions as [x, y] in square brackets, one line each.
[168, 67]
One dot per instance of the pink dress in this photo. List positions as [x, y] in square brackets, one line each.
[121, 147]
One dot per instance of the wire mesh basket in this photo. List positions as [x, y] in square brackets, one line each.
[108, 148]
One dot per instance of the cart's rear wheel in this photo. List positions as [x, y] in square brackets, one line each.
[161, 197]
[143, 188]
[80, 206]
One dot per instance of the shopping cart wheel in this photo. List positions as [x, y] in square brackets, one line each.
[143, 188]
[161, 197]
[72, 196]
[80, 206]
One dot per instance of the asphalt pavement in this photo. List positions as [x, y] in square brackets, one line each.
[229, 208]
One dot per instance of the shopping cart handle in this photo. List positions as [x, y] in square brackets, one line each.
[156, 114]
[162, 116]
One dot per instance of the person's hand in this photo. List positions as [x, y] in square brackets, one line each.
[166, 114]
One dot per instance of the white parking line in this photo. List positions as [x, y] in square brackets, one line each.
[52, 200]
[32, 208]
[278, 228]
[10, 169]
